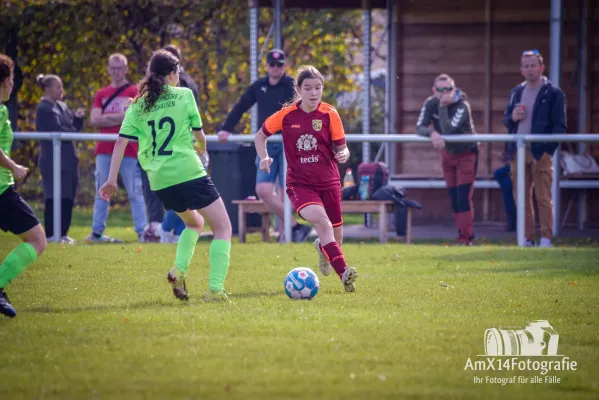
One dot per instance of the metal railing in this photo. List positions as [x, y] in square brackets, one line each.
[521, 140]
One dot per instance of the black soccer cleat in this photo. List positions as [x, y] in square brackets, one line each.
[5, 307]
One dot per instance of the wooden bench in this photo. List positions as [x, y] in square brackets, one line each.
[383, 208]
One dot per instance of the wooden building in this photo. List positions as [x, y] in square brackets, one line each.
[478, 43]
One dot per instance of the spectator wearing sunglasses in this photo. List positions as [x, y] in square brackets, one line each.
[449, 113]
[269, 93]
[536, 107]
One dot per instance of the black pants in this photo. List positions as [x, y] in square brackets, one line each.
[66, 216]
[153, 203]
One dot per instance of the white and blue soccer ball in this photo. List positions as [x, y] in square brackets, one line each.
[301, 283]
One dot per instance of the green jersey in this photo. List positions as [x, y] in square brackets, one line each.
[165, 139]
[6, 137]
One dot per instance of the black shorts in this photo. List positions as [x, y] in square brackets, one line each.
[15, 214]
[191, 195]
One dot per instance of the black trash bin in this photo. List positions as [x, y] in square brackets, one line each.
[233, 171]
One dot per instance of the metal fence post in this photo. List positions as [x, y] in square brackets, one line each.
[57, 211]
[521, 187]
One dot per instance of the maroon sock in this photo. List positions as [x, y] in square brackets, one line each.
[333, 253]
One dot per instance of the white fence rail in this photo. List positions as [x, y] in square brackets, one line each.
[521, 140]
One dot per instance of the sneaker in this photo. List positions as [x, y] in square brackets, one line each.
[529, 243]
[5, 306]
[545, 242]
[281, 238]
[67, 240]
[464, 241]
[93, 239]
[177, 281]
[168, 237]
[152, 233]
[348, 278]
[220, 295]
[300, 233]
[323, 263]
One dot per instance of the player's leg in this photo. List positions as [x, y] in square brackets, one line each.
[220, 248]
[194, 223]
[331, 200]
[131, 175]
[316, 215]
[18, 218]
[201, 194]
[265, 185]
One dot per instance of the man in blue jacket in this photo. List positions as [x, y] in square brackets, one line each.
[536, 107]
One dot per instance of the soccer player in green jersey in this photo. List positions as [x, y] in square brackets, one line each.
[162, 119]
[15, 214]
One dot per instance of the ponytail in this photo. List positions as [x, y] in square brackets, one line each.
[153, 85]
[46, 80]
[151, 88]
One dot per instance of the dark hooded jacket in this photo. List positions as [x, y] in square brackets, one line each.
[453, 119]
[548, 116]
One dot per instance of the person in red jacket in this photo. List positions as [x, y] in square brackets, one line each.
[313, 143]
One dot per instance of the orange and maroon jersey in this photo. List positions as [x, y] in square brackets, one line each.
[308, 140]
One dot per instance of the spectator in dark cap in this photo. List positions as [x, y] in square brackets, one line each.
[270, 92]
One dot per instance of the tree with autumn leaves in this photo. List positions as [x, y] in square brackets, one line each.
[74, 38]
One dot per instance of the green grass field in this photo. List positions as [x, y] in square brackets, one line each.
[101, 322]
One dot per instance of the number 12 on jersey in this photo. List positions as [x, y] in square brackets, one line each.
[162, 151]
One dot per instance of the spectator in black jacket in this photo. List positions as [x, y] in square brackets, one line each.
[536, 107]
[53, 115]
[270, 93]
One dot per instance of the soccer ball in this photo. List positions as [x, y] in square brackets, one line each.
[301, 283]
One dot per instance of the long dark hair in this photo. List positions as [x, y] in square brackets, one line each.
[6, 68]
[152, 87]
[304, 72]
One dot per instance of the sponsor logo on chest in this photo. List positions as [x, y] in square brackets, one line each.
[307, 142]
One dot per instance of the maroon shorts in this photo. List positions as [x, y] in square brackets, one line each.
[330, 199]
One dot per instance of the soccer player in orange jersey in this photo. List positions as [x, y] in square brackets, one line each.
[314, 142]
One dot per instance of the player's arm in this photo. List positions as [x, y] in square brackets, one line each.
[200, 140]
[260, 143]
[18, 171]
[338, 137]
[100, 120]
[272, 125]
[195, 122]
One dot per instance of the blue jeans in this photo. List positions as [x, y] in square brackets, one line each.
[131, 176]
[502, 176]
[275, 151]
[173, 221]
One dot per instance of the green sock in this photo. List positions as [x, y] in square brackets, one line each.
[220, 252]
[15, 262]
[185, 248]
